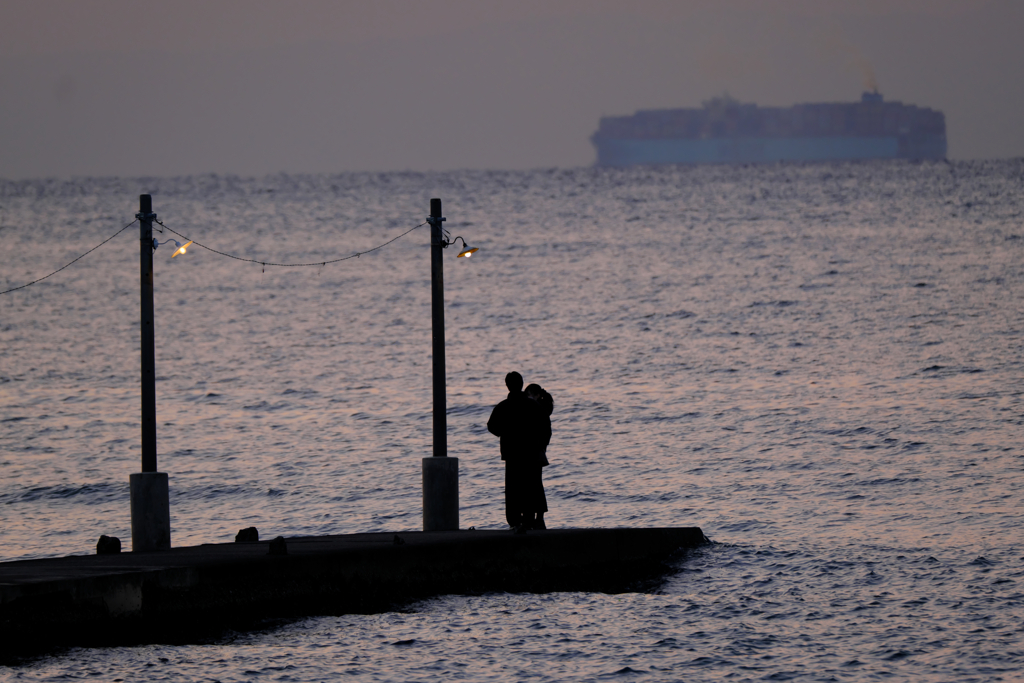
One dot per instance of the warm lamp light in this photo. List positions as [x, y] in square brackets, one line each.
[181, 248]
[467, 250]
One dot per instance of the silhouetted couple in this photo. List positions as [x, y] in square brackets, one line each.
[523, 423]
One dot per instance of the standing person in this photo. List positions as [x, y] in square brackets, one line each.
[543, 399]
[520, 424]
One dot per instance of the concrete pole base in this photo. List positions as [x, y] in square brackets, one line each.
[440, 494]
[151, 511]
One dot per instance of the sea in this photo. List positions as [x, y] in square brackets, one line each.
[820, 365]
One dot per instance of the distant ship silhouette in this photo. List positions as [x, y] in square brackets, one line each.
[726, 131]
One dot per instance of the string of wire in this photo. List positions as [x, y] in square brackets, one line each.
[29, 284]
[292, 265]
[221, 253]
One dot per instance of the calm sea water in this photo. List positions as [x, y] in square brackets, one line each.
[820, 365]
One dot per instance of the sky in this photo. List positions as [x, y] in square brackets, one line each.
[251, 87]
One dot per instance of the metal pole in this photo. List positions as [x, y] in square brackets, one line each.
[149, 489]
[437, 328]
[146, 217]
[440, 473]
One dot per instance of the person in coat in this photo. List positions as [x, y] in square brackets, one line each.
[524, 431]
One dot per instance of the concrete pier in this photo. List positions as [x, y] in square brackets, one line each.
[183, 595]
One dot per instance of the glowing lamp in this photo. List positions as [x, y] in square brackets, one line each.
[181, 248]
[467, 250]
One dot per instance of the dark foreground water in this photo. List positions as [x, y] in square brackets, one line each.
[819, 365]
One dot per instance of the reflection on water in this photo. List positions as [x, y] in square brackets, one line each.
[819, 365]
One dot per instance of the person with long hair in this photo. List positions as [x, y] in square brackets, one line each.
[524, 431]
[539, 502]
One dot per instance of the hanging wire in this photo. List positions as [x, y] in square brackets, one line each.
[15, 289]
[319, 264]
[293, 265]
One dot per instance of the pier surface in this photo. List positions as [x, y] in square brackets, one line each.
[194, 593]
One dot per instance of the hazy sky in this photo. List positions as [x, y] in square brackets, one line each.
[132, 87]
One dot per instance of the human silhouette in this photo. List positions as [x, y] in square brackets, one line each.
[524, 431]
[536, 393]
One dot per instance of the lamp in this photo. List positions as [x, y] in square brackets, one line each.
[440, 472]
[467, 250]
[182, 247]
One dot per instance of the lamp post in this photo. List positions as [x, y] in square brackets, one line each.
[150, 501]
[440, 473]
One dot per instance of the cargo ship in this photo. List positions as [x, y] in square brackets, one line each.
[725, 131]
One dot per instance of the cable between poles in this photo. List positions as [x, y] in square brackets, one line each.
[220, 253]
[291, 265]
[29, 284]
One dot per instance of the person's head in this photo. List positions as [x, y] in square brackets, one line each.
[514, 382]
[534, 391]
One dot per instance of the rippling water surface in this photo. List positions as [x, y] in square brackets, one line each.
[820, 365]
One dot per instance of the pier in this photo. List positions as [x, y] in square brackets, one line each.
[192, 594]
[164, 594]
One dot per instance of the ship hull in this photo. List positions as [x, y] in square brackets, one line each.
[752, 150]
